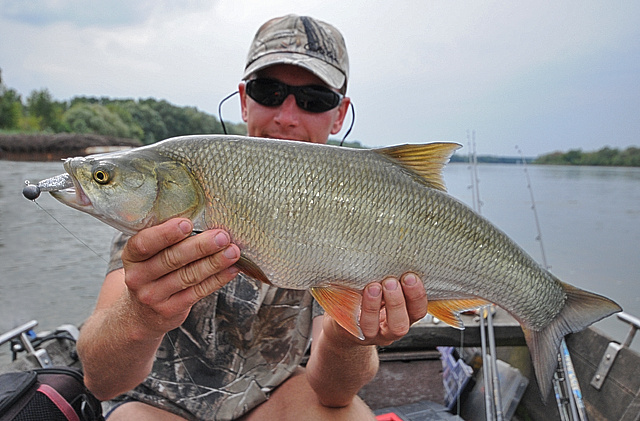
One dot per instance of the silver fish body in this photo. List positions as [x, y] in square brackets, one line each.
[333, 220]
[353, 216]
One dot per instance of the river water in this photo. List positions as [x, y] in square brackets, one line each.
[51, 269]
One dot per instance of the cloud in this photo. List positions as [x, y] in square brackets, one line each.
[544, 75]
[79, 13]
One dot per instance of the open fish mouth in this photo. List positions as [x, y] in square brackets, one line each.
[66, 189]
[62, 186]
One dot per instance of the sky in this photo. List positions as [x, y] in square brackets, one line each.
[541, 76]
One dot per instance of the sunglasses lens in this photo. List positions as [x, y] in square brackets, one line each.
[269, 93]
[312, 98]
[316, 99]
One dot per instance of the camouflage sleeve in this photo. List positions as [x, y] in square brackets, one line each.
[115, 256]
[317, 310]
[115, 262]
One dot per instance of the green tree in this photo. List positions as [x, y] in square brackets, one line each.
[631, 157]
[201, 123]
[573, 157]
[148, 119]
[185, 120]
[10, 108]
[126, 117]
[98, 119]
[606, 156]
[41, 105]
[174, 118]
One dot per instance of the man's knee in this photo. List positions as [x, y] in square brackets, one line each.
[295, 399]
[141, 412]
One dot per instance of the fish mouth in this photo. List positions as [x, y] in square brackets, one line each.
[71, 193]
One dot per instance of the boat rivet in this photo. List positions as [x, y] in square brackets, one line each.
[597, 376]
[608, 356]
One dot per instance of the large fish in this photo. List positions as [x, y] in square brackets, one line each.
[332, 220]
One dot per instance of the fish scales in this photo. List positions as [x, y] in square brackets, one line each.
[333, 220]
[306, 218]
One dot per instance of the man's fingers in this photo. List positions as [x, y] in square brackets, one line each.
[178, 257]
[415, 296]
[193, 273]
[396, 309]
[192, 295]
[145, 244]
[370, 309]
[203, 271]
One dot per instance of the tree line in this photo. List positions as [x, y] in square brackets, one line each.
[629, 157]
[150, 120]
[147, 120]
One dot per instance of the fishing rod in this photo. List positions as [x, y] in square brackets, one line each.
[473, 170]
[491, 380]
[486, 375]
[565, 382]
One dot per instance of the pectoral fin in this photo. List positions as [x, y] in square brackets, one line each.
[343, 304]
[249, 268]
[447, 310]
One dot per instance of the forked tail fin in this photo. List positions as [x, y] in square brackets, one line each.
[580, 310]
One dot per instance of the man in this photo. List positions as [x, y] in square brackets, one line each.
[187, 337]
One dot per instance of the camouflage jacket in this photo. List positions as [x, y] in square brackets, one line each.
[234, 348]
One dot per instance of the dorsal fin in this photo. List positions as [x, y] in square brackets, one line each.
[427, 160]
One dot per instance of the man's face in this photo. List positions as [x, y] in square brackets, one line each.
[288, 121]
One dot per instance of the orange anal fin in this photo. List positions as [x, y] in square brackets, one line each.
[447, 310]
[249, 268]
[343, 304]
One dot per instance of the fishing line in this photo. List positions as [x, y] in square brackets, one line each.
[72, 234]
[181, 360]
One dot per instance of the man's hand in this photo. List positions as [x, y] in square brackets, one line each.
[340, 364]
[389, 308]
[167, 271]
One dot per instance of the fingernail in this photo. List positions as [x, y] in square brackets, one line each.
[390, 284]
[230, 253]
[410, 279]
[185, 227]
[221, 239]
[374, 290]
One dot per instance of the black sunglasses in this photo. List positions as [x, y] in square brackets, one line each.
[312, 98]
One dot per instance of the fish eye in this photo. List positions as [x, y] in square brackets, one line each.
[101, 176]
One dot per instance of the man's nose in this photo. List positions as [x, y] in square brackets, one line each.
[288, 113]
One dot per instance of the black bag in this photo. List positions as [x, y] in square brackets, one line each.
[52, 394]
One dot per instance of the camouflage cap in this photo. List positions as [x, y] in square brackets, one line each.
[301, 41]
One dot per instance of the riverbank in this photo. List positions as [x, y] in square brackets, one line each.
[54, 147]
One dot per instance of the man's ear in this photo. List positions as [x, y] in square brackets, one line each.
[342, 113]
[243, 100]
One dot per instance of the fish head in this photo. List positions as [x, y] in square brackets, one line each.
[131, 190]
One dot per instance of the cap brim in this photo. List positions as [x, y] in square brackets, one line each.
[326, 72]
